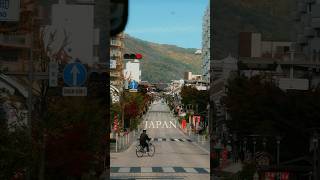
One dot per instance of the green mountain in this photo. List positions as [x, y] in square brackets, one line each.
[272, 18]
[162, 62]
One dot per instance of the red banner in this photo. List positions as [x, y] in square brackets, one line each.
[284, 176]
[184, 123]
[115, 123]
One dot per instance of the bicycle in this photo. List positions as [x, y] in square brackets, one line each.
[140, 151]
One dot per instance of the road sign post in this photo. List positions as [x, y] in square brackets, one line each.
[74, 75]
[133, 86]
[53, 74]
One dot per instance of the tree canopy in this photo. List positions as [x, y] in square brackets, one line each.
[260, 107]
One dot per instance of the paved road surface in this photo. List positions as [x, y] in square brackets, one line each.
[175, 157]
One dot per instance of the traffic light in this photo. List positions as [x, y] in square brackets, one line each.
[132, 56]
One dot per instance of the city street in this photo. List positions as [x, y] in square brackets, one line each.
[176, 156]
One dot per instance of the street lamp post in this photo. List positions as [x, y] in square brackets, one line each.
[278, 155]
[254, 146]
[264, 143]
[315, 155]
[278, 150]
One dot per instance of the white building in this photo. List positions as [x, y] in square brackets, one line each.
[190, 76]
[205, 52]
[76, 23]
[132, 70]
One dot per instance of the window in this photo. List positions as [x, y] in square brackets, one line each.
[96, 50]
[309, 8]
[318, 32]
[286, 48]
[9, 55]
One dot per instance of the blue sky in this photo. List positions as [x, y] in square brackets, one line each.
[177, 22]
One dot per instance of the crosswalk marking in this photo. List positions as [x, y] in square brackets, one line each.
[146, 170]
[168, 169]
[196, 170]
[124, 170]
[171, 139]
[190, 170]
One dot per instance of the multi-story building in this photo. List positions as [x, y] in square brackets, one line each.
[116, 61]
[20, 21]
[307, 16]
[15, 37]
[253, 46]
[205, 53]
[190, 76]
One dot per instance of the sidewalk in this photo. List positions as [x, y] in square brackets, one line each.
[126, 140]
[233, 167]
[201, 140]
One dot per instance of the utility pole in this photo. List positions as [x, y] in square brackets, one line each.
[315, 155]
[29, 100]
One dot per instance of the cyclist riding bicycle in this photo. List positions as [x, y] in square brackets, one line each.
[143, 140]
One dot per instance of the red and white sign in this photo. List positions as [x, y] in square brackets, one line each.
[196, 120]
[115, 123]
[183, 123]
[284, 176]
[225, 154]
[270, 175]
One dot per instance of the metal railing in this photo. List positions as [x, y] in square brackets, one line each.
[123, 141]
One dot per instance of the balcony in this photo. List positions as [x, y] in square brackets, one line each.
[302, 39]
[315, 23]
[315, 11]
[302, 8]
[315, 42]
[96, 34]
[309, 32]
[13, 40]
[311, 1]
[296, 16]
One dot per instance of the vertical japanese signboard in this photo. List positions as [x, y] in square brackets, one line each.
[53, 74]
[9, 10]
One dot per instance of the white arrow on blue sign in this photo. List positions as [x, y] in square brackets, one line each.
[133, 84]
[74, 74]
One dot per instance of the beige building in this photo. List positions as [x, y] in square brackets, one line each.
[190, 76]
[252, 45]
[116, 61]
[15, 39]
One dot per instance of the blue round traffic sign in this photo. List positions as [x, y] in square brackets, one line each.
[133, 84]
[74, 74]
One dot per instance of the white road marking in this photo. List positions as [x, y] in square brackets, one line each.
[124, 170]
[190, 170]
[168, 169]
[146, 170]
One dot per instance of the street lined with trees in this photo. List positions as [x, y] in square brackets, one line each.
[265, 118]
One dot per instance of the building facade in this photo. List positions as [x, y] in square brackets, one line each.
[307, 17]
[253, 46]
[15, 38]
[205, 52]
[116, 61]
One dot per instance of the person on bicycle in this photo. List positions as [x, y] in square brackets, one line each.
[143, 140]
